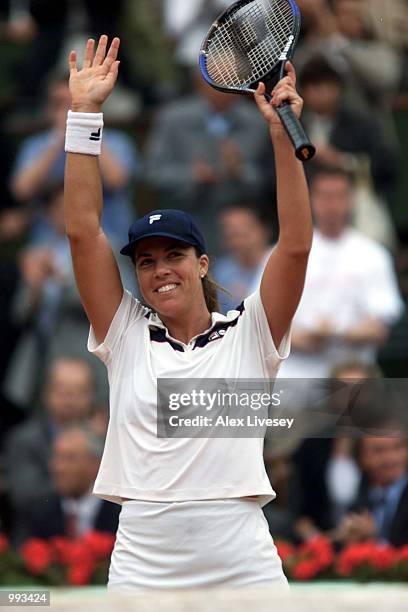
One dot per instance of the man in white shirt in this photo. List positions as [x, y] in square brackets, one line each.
[188, 21]
[351, 296]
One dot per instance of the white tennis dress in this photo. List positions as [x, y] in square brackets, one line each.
[189, 522]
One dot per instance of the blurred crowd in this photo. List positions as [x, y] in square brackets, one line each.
[173, 142]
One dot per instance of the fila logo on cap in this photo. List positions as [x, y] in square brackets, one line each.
[154, 218]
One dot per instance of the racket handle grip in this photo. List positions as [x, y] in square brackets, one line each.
[304, 149]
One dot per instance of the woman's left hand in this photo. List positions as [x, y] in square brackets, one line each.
[284, 91]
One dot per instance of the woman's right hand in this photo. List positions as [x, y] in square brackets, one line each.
[91, 85]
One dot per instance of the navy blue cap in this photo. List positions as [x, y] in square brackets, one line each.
[169, 223]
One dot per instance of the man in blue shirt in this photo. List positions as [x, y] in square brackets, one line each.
[246, 241]
[41, 159]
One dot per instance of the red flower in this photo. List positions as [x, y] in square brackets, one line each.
[79, 552]
[61, 549]
[80, 573]
[402, 553]
[81, 562]
[384, 557]
[354, 556]
[3, 543]
[376, 556]
[285, 550]
[37, 555]
[317, 544]
[320, 550]
[306, 569]
[100, 543]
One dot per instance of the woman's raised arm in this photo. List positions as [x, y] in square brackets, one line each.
[283, 280]
[96, 271]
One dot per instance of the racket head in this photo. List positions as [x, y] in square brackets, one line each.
[249, 42]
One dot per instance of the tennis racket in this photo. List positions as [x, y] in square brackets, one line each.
[251, 42]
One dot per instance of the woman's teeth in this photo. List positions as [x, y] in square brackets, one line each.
[166, 288]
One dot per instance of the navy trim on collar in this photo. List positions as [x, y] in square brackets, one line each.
[159, 335]
[158, 332]
[218, 330]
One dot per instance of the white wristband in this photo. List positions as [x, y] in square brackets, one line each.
[84, 133]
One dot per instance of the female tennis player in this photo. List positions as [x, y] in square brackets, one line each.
[191, 507]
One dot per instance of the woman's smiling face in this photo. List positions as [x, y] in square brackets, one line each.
[169, 275]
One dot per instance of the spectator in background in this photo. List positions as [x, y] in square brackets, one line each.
[343, 135]
[351, 296]
[350, 33]
[44, 26]
[40, 25]
[71, 510]
[325, 476]
[46, 307]
[187, 21]
[392, 27]
[13, 225]
[206, 151]
[41, 160]
[246, 241]
[7, 154]
[68, 397]
[381, 510]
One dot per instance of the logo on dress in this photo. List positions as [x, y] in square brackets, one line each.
[154, 218]
[96, 136]
[218, 334]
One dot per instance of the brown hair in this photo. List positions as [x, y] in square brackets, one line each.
[211, 288]
[319, 70]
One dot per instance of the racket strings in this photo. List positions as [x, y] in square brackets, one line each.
[233, 40]
[249, 43]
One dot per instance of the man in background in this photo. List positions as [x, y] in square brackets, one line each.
[208, 150]
[351, 296]
[246, 238]
[46, 307]
[381, 511]
[341, 133]
[68, 397]
[71, 509]
[326, 476]
[40, 163]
